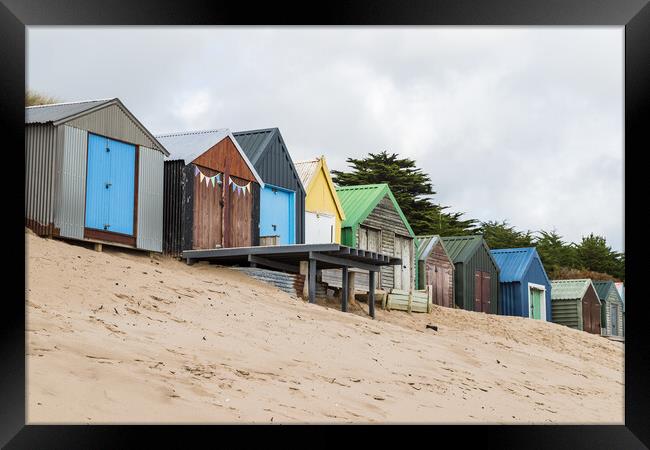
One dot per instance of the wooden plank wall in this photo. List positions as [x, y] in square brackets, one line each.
[207, 223]
[241, 214]
[223, 154]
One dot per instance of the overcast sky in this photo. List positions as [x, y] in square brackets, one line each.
[523, 124]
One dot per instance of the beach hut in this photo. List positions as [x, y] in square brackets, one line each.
[434, 268]
[210, 192]
[476, 278]
[323, 210]
[575, 304]
[611, 312]
[375, 222]
[621, 291]
[93, 173]
[282, 199]
[524, 287]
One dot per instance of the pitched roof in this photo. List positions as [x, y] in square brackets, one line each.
[189, 145]
[462, 248]
[425, 243]
[256, 142]
[569, 289]
[514, 262]
[603, 288]
[359, 201]
[307, 171]
[620, 287]
[60, 113]
[56, 112]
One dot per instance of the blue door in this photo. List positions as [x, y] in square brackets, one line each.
[277, 214]
[110, 185]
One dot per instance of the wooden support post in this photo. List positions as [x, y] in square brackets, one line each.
[351, 285]
[190, 261]
[429, 298]
[344, 290]
[410, 302]
[312, 281]
[304, 270]
[371, 293]
[98, 247]
[383, 300]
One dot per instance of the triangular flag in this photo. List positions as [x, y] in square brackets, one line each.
[196, 171]
[213, 180]
[202, 176]
[207, 181]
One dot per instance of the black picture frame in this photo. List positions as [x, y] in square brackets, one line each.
[634, 15]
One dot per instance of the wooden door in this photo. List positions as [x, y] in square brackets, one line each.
[586, 315]
[485, 292]
[397, 270]
[482, 292]
[208, 211]
[446, 283]
[406, 264]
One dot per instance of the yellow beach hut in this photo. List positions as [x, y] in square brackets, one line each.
[323, 210]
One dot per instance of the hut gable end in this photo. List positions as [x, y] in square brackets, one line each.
[224, 155]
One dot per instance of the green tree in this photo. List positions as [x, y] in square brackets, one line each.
[503, 235]
[593, 253]
[554, 252]
[411, 187]
[33, 98]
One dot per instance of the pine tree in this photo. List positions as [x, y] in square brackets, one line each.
[412, 189]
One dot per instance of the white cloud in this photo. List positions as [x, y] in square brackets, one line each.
[523, 124]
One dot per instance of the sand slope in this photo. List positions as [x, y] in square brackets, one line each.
[118, 337]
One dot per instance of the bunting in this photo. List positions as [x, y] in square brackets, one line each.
[218, 179]
[215, 179]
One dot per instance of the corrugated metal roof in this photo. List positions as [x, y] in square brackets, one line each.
[569, 289]
[603, 288]
[514, 262]
[189, 145]
[359, 201]
[424, 244]
[59, 111]
[461, 248]
[306, 170]
[254, 142]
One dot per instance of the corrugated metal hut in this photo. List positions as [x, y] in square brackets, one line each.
[436, 269]
[476, 279]
[524, 287]
[611, 309]
[282, 200]
[375, 222]
[210, 188]
[576, 305]
[323, 210]
[93, 172]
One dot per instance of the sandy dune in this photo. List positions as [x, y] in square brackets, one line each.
[118, 337]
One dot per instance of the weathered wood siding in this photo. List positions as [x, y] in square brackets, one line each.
[241, 214]
[207, 222]
[377, 231]
[439, 273]
[591, 311]
[224, 157]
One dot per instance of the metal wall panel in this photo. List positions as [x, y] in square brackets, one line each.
[172, 208]
[71, 176]
[150, 200]
[40, 175]
[114, 123]
[464, 277]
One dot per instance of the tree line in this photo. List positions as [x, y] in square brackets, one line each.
[592, 257]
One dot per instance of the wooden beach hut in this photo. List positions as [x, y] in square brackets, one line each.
[434, 268]
[374, 222]
[210, 192]
[524, 287]
[575, 304]
[611, 312]
[476, 278]
[94, 173]
[323, 210]
[282, 198]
